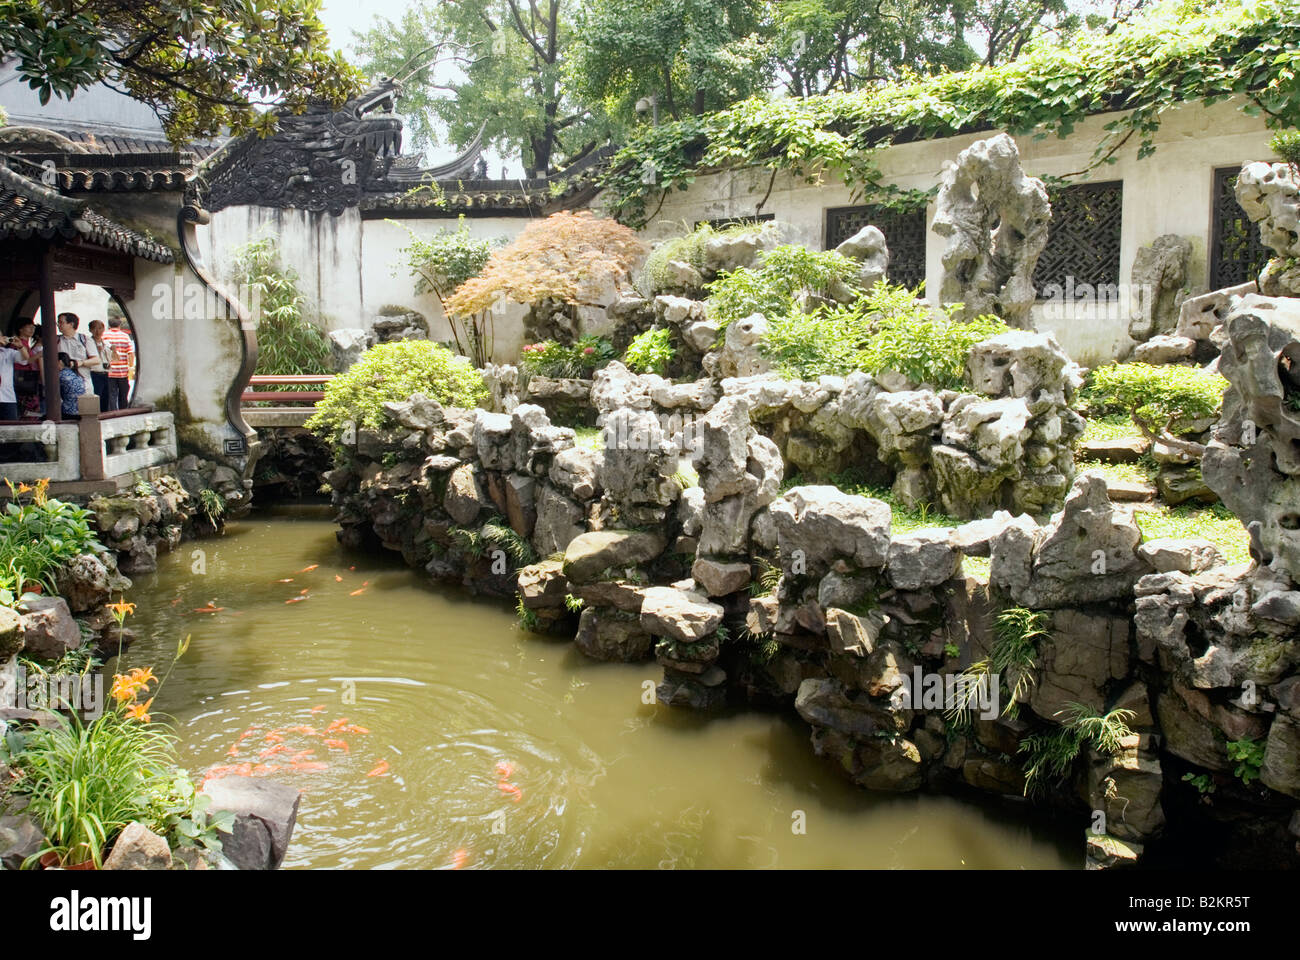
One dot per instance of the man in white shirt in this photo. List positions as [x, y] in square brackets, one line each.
[80, 347]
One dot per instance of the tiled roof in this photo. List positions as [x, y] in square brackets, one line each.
[28, 210]
[94, 173]
[98, 144]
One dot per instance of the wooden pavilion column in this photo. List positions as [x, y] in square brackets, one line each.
[50, 338]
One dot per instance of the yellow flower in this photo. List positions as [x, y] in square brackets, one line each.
[24, 488]
[42, 489]
[139, 711]
[121, 610]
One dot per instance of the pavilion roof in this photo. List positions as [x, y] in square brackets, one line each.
[28, 209]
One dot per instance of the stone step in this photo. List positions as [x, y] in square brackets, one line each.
[1127, 491]
[1118, 450]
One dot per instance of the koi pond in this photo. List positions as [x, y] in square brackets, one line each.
[428, 730]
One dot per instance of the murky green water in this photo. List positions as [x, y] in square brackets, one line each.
[447, 688]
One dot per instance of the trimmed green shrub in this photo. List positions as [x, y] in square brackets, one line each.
[774, 287]
[550, 358]
[394, 372]
[651, 352]
[888, 328]
[1168, 397]
[909, 338]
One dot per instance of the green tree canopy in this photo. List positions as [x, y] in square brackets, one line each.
[509, 77]
[691, 55]
[202, 66]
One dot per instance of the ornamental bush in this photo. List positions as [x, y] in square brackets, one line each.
[908, 337]
[550, 358]
[651, 352]
[1168, 397]
[394, 372]
[774, 288]
[888, 328]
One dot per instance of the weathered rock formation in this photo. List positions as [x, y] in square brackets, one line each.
[996, 220]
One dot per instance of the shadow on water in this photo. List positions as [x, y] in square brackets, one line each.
[427, 729]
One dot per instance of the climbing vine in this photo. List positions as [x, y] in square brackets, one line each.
[1180, 52]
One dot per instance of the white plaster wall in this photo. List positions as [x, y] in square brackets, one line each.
[196, 353]
[87, 302]
[349, 269]
[324, 250]
[388, 281]
[1168, 192]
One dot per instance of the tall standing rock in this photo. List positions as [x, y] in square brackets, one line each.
[996, 220]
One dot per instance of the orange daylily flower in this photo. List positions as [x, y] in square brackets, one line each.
[139, 711]
[122, 609]
[127, 686]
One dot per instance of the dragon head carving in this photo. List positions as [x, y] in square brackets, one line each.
[320, 159]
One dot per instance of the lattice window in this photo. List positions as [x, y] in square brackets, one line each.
[722, 223]
[1236, 255]
[904, 235]
[1083, 239]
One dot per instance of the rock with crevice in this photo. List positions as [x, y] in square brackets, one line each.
[995, 219]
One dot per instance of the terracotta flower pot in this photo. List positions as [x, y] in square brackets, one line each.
[51, 860]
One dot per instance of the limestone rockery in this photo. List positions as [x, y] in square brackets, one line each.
[747, 589]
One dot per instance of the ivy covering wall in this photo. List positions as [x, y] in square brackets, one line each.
[1179, 52]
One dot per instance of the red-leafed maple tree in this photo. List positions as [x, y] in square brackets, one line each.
[574, 258]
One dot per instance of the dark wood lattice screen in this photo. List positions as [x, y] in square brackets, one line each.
[723, 222]
[904, 235]
[1083, 239]
[1236, 255]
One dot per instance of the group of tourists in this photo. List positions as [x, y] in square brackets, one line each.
[99, 361]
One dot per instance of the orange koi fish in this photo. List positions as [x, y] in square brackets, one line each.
[210, 608]
[302, 728]
[309, 766]
[309, 569]
[337, 578]
[263, 769]
[338, 745]
[357, 593]
[510, 790]
[337, 725]
[303, 591]
[353, 728]
[504, 769]
[459, 859]
[381, 769]
[273, 737]
[300, 756]
[319, 708]
[248, 732]
[285, 580]
[233, 751]
[295, 600]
